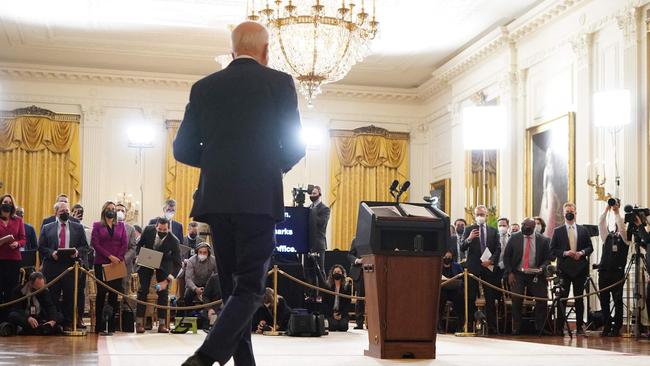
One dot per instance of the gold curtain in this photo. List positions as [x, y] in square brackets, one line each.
[475, 186]
[40, 158]
[180, 180]
[363, 164]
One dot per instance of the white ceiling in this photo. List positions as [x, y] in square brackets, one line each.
[184, 36]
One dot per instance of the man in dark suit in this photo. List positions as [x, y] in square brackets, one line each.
[30, 233]
[456, 241]
[157, 238]
[64, 234]
[60, 198]
[169, 211]
[526, 255]
[571, 245]
[476, 240]
[241, 128]
[356, 272]
[319, 215]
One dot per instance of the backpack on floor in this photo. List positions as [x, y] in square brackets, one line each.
[305, 324]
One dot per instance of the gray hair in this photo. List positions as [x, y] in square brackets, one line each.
[249, 36]
[58, 205]
[480, 207]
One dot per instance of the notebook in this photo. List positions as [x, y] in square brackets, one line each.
[149, 258]
[113, 271]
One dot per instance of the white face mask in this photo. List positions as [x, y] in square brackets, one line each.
[480, 220]
[538, 229]
[169, 215]
[120, 216]
[503, 230]
[202, 257]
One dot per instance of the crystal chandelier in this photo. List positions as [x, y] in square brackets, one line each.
[316, 41]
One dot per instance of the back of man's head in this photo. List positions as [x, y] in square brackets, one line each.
[252, 39]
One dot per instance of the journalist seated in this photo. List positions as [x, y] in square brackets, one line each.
[211, 293]
[336, 307]
[452, 290]
[263, 318]
[197, 272]
[35, 315]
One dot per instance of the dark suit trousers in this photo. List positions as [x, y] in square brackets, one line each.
[534, 288]
[102, 292]
[313, 275]
[9, 278]
[243, 246]
[65, 287]
[491, 296]
[144, 275]
[360, 305]
[578, 283]
[607, 279]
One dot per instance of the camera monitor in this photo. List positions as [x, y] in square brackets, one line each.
[292, 234]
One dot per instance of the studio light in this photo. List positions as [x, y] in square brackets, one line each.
[312, 136]
[612, 108]
[140, 136]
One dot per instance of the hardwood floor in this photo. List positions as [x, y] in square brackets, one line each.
[593, 341]
[28, 350]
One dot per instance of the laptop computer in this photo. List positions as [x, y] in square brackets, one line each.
[149, 258]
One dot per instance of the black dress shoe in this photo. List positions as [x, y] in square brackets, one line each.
[197, 360]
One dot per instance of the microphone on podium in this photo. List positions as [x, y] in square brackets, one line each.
[393, 187]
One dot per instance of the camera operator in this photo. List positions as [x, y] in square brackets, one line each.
[611, 268]
[319, 215]
[642, 238]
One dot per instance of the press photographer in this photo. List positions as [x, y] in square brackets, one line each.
[636, 220]
[611, 268]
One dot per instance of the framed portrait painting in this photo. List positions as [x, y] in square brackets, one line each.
[550, 168]
[441, 195]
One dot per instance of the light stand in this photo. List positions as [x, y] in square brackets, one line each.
[141, 137]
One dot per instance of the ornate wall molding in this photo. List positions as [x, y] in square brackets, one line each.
[38, 111]
[582, 46]
[628, 22]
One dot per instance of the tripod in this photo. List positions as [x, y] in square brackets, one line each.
[638, 261]
[557, 307]
[588, 283]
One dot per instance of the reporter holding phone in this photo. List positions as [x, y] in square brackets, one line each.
[110, 241]
[13, 229]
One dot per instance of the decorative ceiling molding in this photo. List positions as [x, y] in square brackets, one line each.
[370, 93]
[40, 112]
[539, 16]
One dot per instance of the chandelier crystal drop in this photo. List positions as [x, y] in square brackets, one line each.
[316, 41]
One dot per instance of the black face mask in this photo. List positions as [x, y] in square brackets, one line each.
[7, 207]
[570, 216]
[161, 234]
[527, 231]
[446, 260]
[460, 230]
[64, 216]
[337, 276]
[193, 235]
[313, 198]
[110, 214]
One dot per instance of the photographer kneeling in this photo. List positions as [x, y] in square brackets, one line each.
[611, 268]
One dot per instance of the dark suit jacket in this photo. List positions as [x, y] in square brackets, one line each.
[171, 261]
[318, 218]
[51, 219]
[48, 308]
[240, 127]
[356, 270]
[30, 236]
[177, 228]
[515, 251]
[49, 242]
[344, 302]
[452, 245]
[473, 248]
[560, 244]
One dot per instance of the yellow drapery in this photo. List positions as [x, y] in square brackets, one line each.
[40, 158]
[363, 163]
[180, 180]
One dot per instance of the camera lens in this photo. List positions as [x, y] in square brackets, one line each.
[611, 201]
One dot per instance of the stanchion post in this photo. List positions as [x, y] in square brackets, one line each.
[75, 303]
[274, 332]
[466, 332]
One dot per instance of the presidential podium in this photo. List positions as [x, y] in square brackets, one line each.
[401, 246]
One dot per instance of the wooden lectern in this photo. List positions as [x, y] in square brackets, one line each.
[401, 249]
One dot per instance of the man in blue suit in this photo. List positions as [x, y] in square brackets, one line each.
[30, 233]
[241, 128]
[63, 233]
[571, 245]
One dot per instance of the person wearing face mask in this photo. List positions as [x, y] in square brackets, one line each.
[454, 290]
[157, 237]
[64, 234]
[611, 268]
[263, 318]
[129, 257]
[456, 241]
[60, 198]
[477, 239]
[30, 234]
[336, 307]
[192, 238]
[540, 225]
[503, 224]
[319, 215]
[198, 270]
[110, 242]
[514, 228]
[169, 211]
[13, 229]
[525, 257]
[571, 245]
